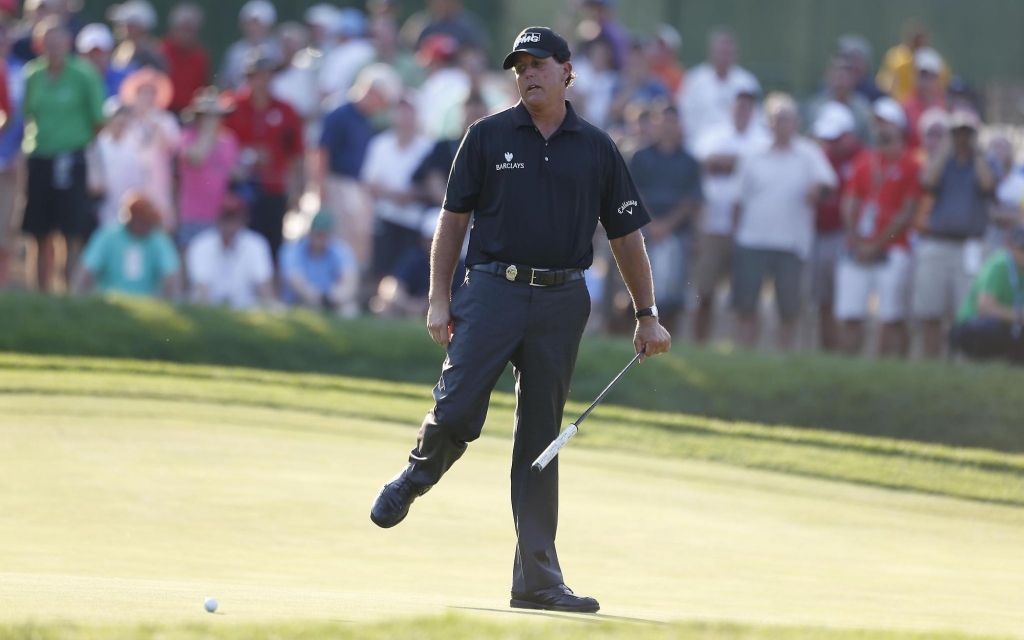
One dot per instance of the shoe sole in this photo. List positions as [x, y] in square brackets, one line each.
[386, 525]
[526, 604]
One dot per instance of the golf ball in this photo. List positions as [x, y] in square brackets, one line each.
[210, 604]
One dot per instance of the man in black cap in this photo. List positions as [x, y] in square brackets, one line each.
[537, 180]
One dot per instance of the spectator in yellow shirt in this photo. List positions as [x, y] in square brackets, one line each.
[897, 76]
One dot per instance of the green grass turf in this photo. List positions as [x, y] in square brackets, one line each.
[131, 491]
[974, 474]
[961, 405]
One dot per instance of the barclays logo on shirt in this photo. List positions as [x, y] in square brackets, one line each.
[508, 164]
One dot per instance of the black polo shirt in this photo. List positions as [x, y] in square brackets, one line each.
[537, 202]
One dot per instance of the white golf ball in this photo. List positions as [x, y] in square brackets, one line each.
[210, 604]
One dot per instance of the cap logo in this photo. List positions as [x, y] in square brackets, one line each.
[529, 36]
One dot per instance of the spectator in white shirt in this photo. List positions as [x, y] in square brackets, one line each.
[256, 19]
[230, 264]
[116, 165]
[446, 87]
[706, 97]
[391, 159]
[779, 189]
[720, 151]
[295, 83]
[352, 53]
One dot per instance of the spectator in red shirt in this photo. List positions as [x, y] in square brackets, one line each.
[928, 91]
[188, 62]
[270, 135]
[878, 207]
[837, 131]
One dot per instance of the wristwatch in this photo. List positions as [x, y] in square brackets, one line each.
[649, 311]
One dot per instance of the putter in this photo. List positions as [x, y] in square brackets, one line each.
[549, 454]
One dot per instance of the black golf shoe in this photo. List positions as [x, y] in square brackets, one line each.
[556, 598]
[395, 498]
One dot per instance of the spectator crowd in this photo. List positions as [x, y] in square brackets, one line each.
[309, 169]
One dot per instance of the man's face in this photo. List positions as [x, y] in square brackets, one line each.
[229, 226]
[841, 77]
[140, 226]
[540, 80]
[888, 133]
[260, 79]
[57, 44]
[186, 31]
[254, 30]
[670, 129]
[963, 139]
[927, 83]
[99, 57]
[318, 242]
[743, 111]
[722, 51]
[784, 123]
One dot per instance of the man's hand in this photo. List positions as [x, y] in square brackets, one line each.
[439, 323]
[653, 337]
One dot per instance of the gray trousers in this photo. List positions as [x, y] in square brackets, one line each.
[538, 330]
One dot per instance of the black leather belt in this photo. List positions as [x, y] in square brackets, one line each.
[529, 275]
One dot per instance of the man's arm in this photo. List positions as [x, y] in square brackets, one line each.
[931, 177]
[989, 307]
[444, 257]
[983, 172]
[631, 258]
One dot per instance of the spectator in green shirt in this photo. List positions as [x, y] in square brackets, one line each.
[63, 110]
[990, 323]
[135, 258]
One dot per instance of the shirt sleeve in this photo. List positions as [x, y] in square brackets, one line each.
[167, 256]
[467, 176]
[196, 260]
[622, 211]
[821, 168]
[95, 251]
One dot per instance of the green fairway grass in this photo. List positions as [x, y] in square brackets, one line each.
[131, 491]
[961, 405]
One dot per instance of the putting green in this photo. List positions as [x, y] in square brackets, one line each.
[134, 510]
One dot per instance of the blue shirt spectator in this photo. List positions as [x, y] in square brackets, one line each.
[319, 271]
[346, 135]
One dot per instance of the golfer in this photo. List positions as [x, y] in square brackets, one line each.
[537, 179]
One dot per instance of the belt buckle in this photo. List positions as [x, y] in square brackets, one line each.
[511, 272]
[533, 277]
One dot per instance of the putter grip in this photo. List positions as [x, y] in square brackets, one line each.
[549, 454]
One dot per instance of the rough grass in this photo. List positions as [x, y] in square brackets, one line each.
[958, 405]
[975, 474]
[460, 627]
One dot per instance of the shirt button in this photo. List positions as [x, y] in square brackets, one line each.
[545, 158]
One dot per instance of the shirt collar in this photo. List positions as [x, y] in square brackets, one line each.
[521, 118]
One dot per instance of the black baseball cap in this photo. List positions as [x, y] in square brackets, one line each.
[539, 42]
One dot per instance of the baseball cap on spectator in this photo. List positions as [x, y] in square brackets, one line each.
[95, 36]
[853, 44]
[834, 121]
[137, 12]
[439, 47]
[928, 59]
[539, 42]
[322, 223]
[261, 11]
[147, 76]
[964, 119]
[886, 108]
[930, 118]
[669, 36]
[260, 59]
[380, 77]
[322, 15]
[350, 23]
[748, 87]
